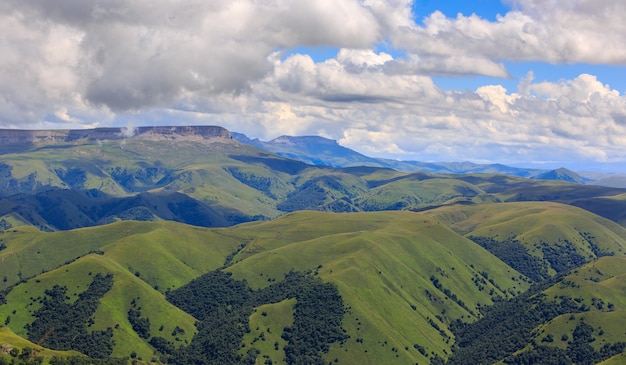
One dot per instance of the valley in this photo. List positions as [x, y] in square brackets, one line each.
[203, 235]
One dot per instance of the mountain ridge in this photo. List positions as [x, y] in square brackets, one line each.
[13, 137]
[417, 257]
[328, 152]
[314, 150]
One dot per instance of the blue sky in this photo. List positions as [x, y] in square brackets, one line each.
[520, 82]
[487, 9]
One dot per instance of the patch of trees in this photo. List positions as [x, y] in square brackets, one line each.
[140, 325]
[506, 327]
[3, 294]
[322, 193]
[82, 360]
[223, 306]
[60, 325]
[229, 259]
[578, 351]
[261, 183]
[562, 257]
[591, 240]
[135, 179]
[514, 254]
[4, 225]
[73, 177]
[203, 296]
[162, 345]
[317, 322]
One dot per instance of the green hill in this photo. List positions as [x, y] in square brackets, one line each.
[540, 239]
[100, 237]
[579, 318]
[407, 279]
[146, 260]
[403, 275]
[219, 182]
[393, 271]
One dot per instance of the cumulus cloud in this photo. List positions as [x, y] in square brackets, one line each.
[73, 63]
[559, 32]
[403, 116]
[127, 55]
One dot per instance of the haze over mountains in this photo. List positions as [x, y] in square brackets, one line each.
[183, 245]
[322, 151]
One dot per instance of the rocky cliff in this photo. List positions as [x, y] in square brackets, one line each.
[47, 137]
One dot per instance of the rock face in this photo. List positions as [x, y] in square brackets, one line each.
[46, 137]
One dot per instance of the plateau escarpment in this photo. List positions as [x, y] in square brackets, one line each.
[23, 137]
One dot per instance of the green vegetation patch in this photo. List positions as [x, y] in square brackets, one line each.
[515, 255]
[224, 306]
[60, 325]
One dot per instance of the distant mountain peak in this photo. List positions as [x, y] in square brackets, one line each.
[303, 139]
[562, 174]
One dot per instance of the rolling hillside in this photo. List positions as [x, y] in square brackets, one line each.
[327, 152]
[359, 253]
[540, 239]
[214, 181]
[405, 277]
[578, 318]
[177, 244]
[145, 259]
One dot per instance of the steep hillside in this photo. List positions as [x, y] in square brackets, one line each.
[579, 319]
[145, 259]
[403, 276]
[313, 150]
[540, 239]
[408, 282]
[561, 174]
[66, 180]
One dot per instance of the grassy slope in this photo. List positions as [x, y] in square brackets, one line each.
[413, 193]
[240, 178]
[164, 255]
[381, 263]
[181, 252]
[114, 305]
[535, 222]
[615, 360]
[266, 326]
[602, 281]
[198, 169]
[9, 340]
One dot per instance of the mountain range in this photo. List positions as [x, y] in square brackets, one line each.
[317, 150]
[184, 245]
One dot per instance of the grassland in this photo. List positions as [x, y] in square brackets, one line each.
[146, 259]
[539, 226]
[598, 288]
[224, 183]
[381, 263]
[402, 259]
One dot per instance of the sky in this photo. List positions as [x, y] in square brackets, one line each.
[538, 83]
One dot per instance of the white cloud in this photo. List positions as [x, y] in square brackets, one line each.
[134, 54]
[574, 31]
[73, 63]
[404, 116]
